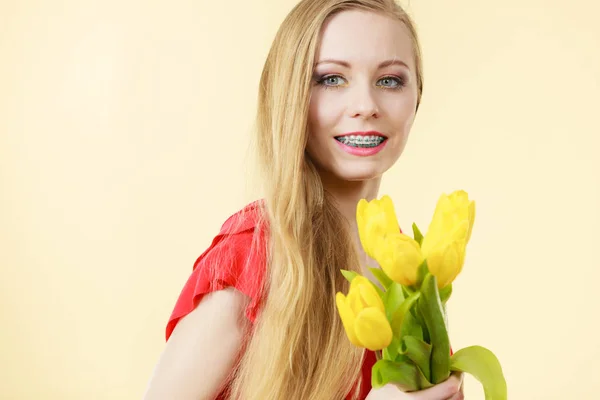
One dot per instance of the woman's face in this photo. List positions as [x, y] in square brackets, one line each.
[363, 97]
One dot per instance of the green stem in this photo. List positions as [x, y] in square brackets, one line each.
[431, 310]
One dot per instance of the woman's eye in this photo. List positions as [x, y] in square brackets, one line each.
[335, 81]
[331, 80]
[391, 82]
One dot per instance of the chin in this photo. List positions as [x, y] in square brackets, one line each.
[355, 169]
[356, 173]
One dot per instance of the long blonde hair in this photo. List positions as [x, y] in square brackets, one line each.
[298, 349]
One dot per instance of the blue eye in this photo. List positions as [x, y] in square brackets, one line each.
[335, 81]
[330, 80]
[392, 82]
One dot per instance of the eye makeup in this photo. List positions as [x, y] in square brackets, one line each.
[328, 81]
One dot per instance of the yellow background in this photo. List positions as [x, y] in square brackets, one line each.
[123, 140]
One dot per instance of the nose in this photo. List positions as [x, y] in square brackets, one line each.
[363, 103]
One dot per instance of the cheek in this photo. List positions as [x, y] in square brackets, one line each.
[324, 111]
[403, 114]
[314, 127]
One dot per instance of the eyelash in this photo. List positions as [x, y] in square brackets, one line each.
[321, 81]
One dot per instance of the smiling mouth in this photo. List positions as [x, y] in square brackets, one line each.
[361, 141]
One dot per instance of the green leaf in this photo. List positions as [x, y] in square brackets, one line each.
[398, 318]
[445, 293]
[419, 352]
[411, 327]
[407, 291]
[392, 300]
[431, 310]
[422, 273]
[378, 290]
[406, 375]
[401, 358]
[349, 275]
[418, 236]
[381, 277]
[391, 352]
[484, 366]
[418, 320]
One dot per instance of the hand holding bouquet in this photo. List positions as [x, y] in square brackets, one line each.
[406, 322]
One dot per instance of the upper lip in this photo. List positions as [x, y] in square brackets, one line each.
[363, 133]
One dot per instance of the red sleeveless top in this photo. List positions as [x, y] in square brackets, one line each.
[245, 272]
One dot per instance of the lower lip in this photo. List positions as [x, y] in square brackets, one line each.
[361, 151]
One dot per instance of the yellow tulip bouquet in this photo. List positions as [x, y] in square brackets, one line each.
[405, 321]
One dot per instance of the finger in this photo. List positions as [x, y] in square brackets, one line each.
[458, 396]
[460, 376]
[444, 390]
[461, 394]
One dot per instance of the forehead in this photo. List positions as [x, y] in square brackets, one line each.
[364, 37]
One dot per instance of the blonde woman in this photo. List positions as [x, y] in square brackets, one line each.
[257, 318]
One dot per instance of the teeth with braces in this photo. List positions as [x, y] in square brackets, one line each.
[361, 141]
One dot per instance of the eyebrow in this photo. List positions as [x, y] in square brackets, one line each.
[346, 64]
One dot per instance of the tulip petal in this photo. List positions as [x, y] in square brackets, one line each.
[360, 220]
[361, 206]
[435, 262]
[354, 301]
[471, 219]
[373, 329]
[370, 297]
[375, 231]
[348, 318]
[358, 280]
[375, 219]
[400, 257]
[460, 230]
[453, 261]
[460, 251]
[387, 206]
[443, 264]
[451, 211]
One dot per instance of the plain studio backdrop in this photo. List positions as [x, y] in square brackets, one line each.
[124, 133]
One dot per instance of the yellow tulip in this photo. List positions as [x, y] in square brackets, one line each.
[363, 315]
[375, 219]
[444, 245]
[400, 256]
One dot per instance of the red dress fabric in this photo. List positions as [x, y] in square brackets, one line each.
[232, 248]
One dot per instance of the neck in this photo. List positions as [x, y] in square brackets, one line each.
[347, 194]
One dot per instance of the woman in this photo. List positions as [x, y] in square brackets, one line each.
[257, 318]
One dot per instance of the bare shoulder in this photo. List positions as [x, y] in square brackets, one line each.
[222, 309]
[205, 343]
